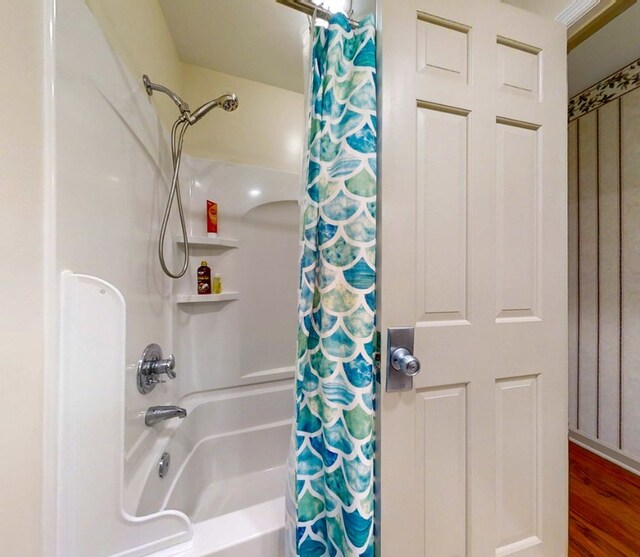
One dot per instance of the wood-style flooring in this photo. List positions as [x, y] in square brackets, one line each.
[604, 507]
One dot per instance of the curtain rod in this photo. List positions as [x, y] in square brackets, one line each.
[309, 8]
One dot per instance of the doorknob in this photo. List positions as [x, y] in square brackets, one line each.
[404, 361]
[402, 365]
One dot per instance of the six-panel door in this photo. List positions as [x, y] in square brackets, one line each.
[473, 255]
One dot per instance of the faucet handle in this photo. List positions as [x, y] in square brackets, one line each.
[151, 365]
[166, 366]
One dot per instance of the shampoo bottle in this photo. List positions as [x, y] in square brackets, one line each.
[217, 284]
[204, 278]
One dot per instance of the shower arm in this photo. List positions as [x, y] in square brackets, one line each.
[151, 87]
[228, 102]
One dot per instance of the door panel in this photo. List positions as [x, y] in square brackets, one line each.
[518, 208]
[441, 197]
[441, 428]
[517, 485]
[473, 255]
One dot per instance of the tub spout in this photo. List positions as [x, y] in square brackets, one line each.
[157, 414]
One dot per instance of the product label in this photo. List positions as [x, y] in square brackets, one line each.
[204, 280]
[212, 217]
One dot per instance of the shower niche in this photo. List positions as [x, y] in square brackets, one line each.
[248, 336]
[210, 249]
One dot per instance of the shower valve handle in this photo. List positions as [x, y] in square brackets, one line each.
[165, 366]
[151, 366]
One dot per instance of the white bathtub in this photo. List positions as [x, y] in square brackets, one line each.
[228, 472]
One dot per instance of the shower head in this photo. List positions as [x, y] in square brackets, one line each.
[228, 102]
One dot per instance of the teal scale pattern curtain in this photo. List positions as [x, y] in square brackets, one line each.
[331, 490]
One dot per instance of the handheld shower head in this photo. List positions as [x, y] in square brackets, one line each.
[228, 102]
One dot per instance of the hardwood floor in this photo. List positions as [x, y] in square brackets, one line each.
[604, 507]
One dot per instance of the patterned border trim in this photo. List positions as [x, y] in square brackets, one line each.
[610, 88]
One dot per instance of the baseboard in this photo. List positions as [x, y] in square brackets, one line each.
[607, 452]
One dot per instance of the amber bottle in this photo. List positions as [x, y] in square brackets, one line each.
[204, 278]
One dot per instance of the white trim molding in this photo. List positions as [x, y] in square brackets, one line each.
[575, 11]
[612, 454]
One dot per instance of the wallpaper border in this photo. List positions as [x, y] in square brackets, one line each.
[607, 90]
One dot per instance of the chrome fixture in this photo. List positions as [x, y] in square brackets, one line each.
[402, 365]
[151, 87]
[157, 414]
[229, 103]
[312, 9]
[151, 365]
[163, 464]
[405, 362]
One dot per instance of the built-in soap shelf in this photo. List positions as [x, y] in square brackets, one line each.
[208, 242]
[206, 298]
[205, 241]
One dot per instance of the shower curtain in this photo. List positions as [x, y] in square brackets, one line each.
[330, 503]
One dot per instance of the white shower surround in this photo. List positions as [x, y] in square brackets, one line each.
[112, 165]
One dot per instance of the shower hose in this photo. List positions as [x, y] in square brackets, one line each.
[178, 130]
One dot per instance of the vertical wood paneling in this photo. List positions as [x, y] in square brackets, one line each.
[630, 152]
[604, 273]
[609, 273]
[573, 274]
[621, 279]
[588, 274]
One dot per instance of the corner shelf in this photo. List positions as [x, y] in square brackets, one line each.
[206, 298]
[206, 241]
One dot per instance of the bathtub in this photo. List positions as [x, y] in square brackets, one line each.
[227, 471]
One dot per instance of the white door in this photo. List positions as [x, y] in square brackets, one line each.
[473, 239]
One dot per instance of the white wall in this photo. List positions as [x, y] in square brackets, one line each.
[138, 33]
[22, 179]
[604, 53]
[112, 167]
[266, 130]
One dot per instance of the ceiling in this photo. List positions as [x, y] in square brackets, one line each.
[610, 49]
[254, 39]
